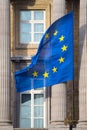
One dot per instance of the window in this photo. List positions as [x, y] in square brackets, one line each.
[32, 26]
[32, 109]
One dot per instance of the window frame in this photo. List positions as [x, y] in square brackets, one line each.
[32, 93]
[45, 7]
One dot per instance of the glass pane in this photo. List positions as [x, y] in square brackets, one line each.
[25, 27]
[25, 15]
[26, 99]
[38, 123]
[37, 37]
[38, 99]
[25, 123]
[39, 27]
[25, 111]
[25, 38]
[38, 15]
[38, 111]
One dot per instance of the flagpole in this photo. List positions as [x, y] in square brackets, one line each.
[70, 127]
[70, 120]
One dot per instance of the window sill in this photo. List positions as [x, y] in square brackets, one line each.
[26, 46]
[20, 58]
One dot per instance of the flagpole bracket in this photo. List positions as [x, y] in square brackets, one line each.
[70, 121]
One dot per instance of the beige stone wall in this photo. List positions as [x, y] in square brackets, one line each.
[74, 106]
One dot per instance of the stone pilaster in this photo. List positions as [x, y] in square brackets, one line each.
[5, 122]
[58, 92]
[58, 9]
[83, 66]
[58, 106]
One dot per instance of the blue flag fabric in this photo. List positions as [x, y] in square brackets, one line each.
[54, 60]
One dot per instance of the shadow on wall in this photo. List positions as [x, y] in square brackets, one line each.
[81, 43]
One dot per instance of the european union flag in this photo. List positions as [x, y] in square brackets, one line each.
[54, 60]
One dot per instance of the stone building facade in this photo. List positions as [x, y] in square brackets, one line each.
[50, 108]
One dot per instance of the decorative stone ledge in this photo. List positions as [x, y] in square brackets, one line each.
[20, 58]
[29, 129]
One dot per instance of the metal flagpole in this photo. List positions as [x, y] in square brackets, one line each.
[70, 120]
[70, 127]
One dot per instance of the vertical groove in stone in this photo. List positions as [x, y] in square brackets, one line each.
[4, 62]
[58, 92]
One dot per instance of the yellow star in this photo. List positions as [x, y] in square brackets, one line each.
[64, 48]
[47, 36]
[45, 75]
[35, 74]
[55, 33]
[54, 69]
[61, 38]
[61, 59]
